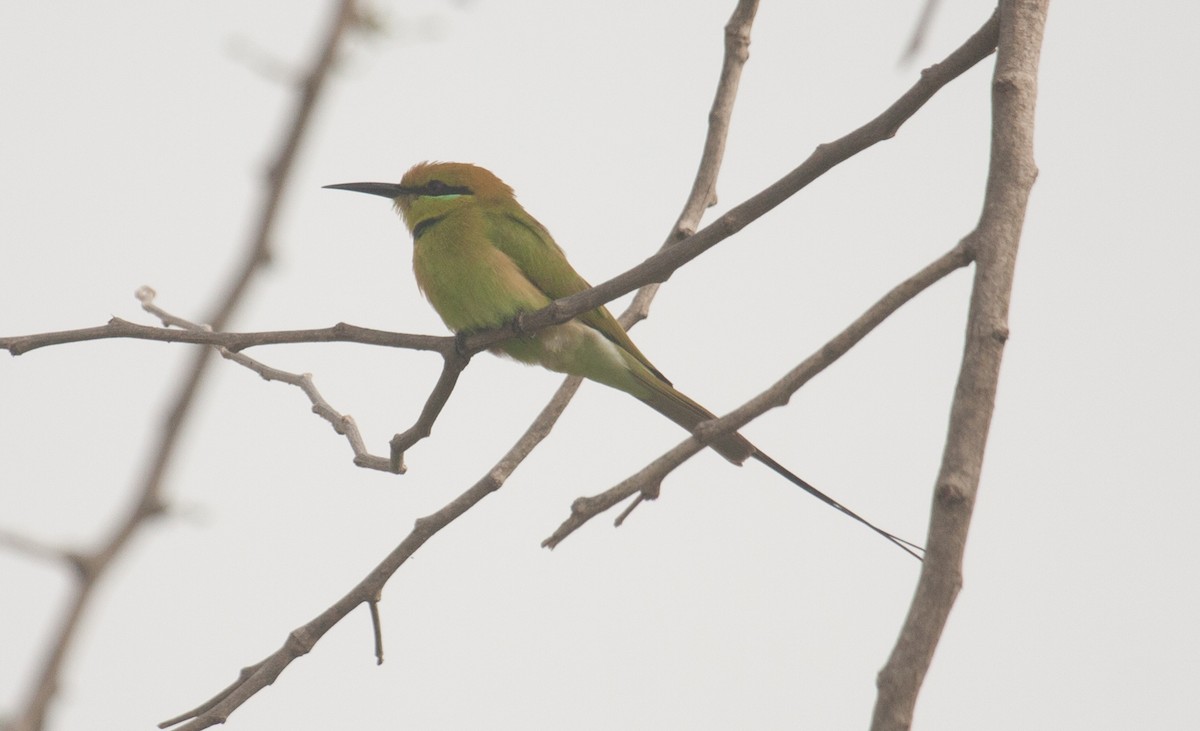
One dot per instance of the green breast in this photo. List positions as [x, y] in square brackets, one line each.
[470, 283]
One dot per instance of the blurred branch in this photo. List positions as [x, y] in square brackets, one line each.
[646, 482]
[148, 502]
[924, 20]
[994, 243]
[34, 548]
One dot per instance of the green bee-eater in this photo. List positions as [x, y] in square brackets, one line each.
[481, 260]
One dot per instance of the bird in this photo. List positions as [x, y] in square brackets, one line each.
[482, 261]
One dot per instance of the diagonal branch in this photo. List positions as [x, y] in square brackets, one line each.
[646, 482]
[658, 268]
[302, 639]
[994, 242]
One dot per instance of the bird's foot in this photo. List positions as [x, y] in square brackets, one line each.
[460, 344]
[517, 324]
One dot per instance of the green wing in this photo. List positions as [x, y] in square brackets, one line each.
[529, 244]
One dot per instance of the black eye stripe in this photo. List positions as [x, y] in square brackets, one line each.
[437, 188]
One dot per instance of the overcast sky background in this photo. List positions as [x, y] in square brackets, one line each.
[132, 141]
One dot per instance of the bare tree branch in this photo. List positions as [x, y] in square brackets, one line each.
[230, 345]
[658, 268]
[233, 341]
[646, 482]
[32, 714]
[994, 243]
[342, 423]
[299, 641]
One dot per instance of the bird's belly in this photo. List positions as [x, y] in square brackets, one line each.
[477, 288]
[575, 349]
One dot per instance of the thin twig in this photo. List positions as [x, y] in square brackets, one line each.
[342, 423]
[234, 341]
[453, 365]
[995, 241]
[376, 628]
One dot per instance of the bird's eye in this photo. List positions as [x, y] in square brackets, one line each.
[436, 187]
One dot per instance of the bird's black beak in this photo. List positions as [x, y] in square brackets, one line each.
[387, 190]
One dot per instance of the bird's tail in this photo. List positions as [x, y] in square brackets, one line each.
[666, 400]
[663, 398]
[908, 547]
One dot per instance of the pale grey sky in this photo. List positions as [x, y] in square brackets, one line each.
[133, 136]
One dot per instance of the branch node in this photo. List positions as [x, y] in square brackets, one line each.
[460, 346]
[396, 462]
[950, 492]
[82, 564]
[300, 641]
[582, 506]
[649, 492]
[145, 294]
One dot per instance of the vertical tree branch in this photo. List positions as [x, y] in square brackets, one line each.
[148, 500]
[704, 187]
[995, 240]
